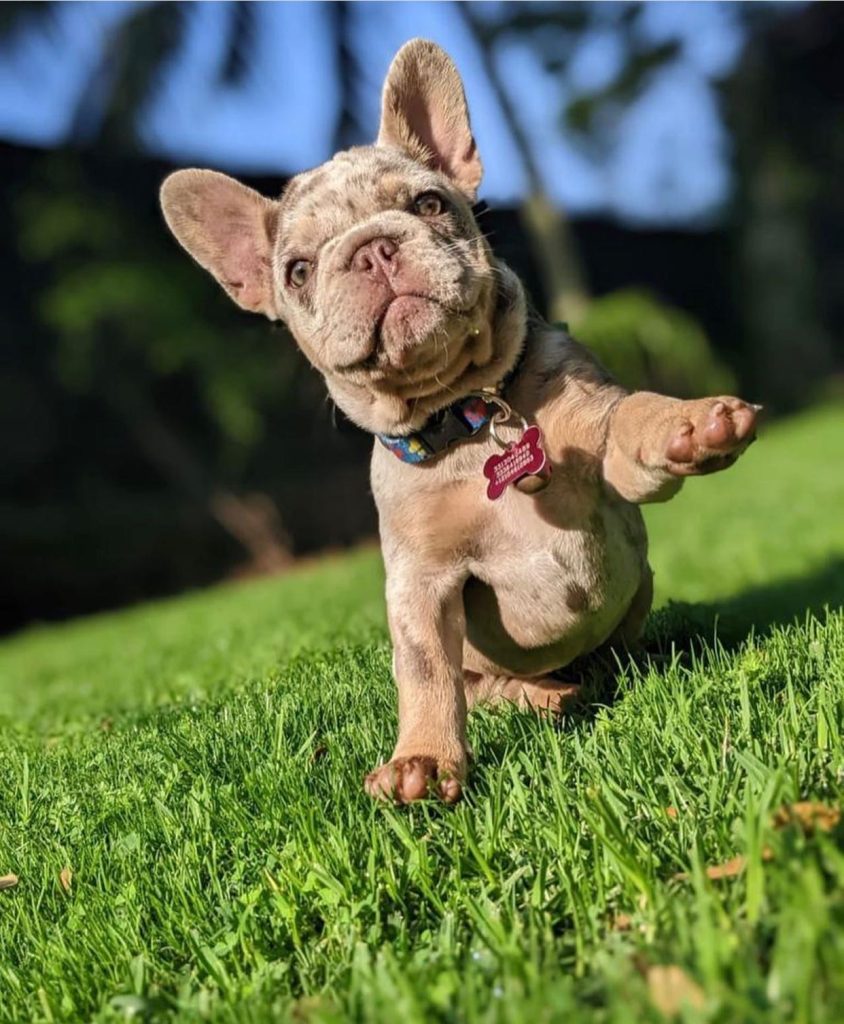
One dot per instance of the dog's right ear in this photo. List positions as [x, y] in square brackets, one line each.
[229, 229]
[424, 112]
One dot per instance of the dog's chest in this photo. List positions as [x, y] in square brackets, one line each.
[554, 570]
[559, 568]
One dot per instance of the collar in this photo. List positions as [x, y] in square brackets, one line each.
[457, 422]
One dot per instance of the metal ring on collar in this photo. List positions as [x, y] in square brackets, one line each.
[503, 415]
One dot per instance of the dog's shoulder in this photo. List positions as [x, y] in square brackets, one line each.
[554, 357]
[566, 389]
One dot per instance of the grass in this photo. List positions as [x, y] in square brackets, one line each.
[197, 764]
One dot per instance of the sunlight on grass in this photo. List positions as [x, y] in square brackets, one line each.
[775, 517]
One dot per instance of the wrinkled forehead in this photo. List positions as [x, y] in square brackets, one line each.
[352, 186]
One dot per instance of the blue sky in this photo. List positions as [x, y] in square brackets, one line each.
[664, 160]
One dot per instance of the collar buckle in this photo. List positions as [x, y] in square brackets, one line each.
[444, 429]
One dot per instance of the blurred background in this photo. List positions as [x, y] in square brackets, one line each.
[666, 177]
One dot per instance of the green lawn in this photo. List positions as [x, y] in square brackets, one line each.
[198, 765]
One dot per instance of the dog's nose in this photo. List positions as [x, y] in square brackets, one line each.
[377, 257]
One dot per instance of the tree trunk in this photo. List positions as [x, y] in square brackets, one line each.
[548, 229]
[253, 520]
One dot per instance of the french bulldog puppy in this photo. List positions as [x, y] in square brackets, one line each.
[498, 573]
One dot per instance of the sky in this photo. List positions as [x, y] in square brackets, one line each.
[664, 160]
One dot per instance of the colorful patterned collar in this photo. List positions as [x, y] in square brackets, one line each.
[462, 420]
[457, 422]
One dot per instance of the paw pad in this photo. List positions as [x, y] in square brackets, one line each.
[407, 779]
[711, 435]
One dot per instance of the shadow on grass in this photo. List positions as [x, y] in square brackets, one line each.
[681, 627]
[755, 610]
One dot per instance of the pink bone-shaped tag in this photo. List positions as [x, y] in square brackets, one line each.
[522, 458]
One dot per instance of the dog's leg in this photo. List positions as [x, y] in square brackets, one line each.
[427, 624]
[544, 693]
[655, 442]
[630, 628]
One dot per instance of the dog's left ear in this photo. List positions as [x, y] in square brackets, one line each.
[424, 112]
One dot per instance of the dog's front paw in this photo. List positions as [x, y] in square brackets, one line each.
[405, 779]
[710, 435]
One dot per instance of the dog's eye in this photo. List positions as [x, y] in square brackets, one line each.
[298, 273]
[429, 204]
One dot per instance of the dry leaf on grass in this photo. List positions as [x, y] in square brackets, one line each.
[66, 877]
[308, 1008]
[805, 814]
[670, 988]
[808, 815]
[729, 869]
[621, 923]
[8, 881]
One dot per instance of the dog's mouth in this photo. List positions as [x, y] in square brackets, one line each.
[398, 308]
[399, 343]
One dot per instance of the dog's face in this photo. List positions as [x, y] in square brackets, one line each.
[374, 260]
[381, 272]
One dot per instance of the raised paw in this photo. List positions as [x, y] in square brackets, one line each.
[405, 779]
[710, 435]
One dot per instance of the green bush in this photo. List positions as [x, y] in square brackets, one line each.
[649, 345]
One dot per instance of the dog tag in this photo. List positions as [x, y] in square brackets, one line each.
[523, 458]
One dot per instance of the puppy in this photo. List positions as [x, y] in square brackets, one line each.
[508, 467]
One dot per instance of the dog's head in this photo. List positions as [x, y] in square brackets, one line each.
[373, 260]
